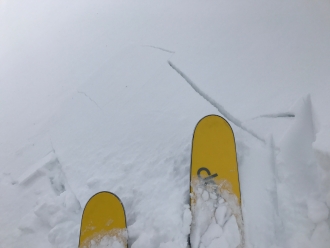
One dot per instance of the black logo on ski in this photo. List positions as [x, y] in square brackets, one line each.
[206, 179]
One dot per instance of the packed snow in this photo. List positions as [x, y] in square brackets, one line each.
[104, 96]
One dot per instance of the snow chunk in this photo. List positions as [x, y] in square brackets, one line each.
[205, 195]
[36, 169]
[213, 196]
[28, 223]
[92, 182]
[70, 201]
[49, 211]
[221, 214]
[232, 233]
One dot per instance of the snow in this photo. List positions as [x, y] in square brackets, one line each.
[115, 239]
[217, 217]
[90, 102]
[317, 211]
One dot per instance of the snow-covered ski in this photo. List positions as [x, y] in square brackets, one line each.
[215, 192]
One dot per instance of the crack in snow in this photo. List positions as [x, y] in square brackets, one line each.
[83, 93]
[51, 143]
[219, 107]
[277, 115]
[159, 48]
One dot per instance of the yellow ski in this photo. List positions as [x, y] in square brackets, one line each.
[103, 222]
[214, 178]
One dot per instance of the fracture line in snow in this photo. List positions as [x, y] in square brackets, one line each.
[51, 143]
[278, 115]
[159, 48]
[83, 93]
[220, 108]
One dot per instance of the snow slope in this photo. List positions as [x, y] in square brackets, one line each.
[90, 102]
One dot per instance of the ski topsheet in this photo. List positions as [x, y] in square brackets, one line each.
[103, 222]
[215, 191]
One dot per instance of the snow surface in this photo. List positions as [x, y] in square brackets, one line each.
[90, 102]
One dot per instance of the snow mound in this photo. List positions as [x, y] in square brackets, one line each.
[302, 206]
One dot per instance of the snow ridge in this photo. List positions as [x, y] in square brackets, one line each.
[302, 206]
